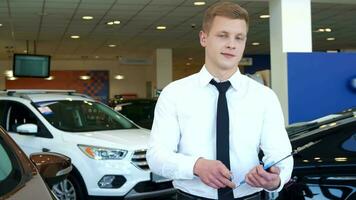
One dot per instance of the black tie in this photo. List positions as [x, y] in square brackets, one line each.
[222, 134]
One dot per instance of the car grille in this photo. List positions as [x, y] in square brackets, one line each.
[139, 159]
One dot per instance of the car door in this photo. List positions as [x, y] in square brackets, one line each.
[17, 114]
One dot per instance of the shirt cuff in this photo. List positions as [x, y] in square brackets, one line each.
[187, 168]
[281, 185]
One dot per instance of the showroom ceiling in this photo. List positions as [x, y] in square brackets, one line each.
[51, 23]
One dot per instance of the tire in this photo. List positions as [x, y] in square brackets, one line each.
[69, 189]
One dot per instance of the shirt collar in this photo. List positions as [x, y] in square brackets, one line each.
[205, 77]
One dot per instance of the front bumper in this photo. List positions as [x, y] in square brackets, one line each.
[149, 189]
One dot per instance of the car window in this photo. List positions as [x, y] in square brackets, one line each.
[10, 173]
[350, 143]
[5, 164]
[138, 110]
[80, 116]
[2, 113]
[19, 114]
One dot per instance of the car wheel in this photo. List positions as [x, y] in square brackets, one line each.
[68, 189]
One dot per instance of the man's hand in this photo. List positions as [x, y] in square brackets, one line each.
[213, 173]
[268, 180]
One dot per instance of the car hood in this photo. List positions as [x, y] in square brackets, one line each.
[130, 139]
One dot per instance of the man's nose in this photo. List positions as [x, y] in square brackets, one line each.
[231, 43]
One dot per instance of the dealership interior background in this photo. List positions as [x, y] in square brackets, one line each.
[305, 50]
[134, 46]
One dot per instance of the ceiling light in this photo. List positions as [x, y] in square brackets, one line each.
[199, 3]
[110, 23]
[119, 77]
[330, 38]
[190, 58]
[25, 51]
[320, 30]
[9, 73]
[112, 45]
[49, 78]
[11, 78]
[328, 30]
[255, 43]
[96, 57]
[340, 159]
[75, 36]
[188, 64]
[264, 16]
[116, 22]
[332, 51]
[0, 25]
[87, 17]
[161, 27]
[84, 77]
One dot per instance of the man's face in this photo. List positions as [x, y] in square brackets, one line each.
[224, 43]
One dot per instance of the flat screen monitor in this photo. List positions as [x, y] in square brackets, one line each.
[27, 65]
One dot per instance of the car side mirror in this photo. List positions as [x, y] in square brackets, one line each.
[27, 129]
[53, 167]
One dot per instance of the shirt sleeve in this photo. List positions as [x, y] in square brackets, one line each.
[162, 155]
[274, 139]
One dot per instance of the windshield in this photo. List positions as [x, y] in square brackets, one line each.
[302, 127]
[82, 116]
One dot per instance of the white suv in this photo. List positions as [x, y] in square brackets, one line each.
[108, 151]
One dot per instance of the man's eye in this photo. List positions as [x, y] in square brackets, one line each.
[222, 36]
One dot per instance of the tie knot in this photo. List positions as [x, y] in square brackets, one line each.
[222, 86]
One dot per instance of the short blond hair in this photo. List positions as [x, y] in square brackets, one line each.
[225, 9]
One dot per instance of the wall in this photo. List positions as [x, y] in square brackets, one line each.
[135, 80]
[318, 84]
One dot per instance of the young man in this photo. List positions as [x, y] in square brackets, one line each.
[209, 127]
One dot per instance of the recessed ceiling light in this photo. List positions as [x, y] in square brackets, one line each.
[330, 38]
[75, 36]
[190, 58]
[264, 16]
[116, 22]
[49, 78]
[11, 78]
[96, 57]
[255, 43]
[87, 17]
[110, 23]
[161, 27]
[320, 30]
[9, 73]
[332, 51]
[84, 77]
[25, 51]
[328, 30]
[112, 45]
[188, 64]
[199, 3]
[119, 77]
[0, 25]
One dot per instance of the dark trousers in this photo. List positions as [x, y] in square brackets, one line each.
[185, 196]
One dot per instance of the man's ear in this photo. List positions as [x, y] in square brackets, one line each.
[202, 37]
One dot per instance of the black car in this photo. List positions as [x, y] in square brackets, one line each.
[325, 166]
[138, 110]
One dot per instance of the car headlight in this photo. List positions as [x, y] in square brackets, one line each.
[102, 153]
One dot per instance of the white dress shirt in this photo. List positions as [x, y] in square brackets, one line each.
[184, 129]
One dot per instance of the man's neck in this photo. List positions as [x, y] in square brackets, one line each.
[221, 74]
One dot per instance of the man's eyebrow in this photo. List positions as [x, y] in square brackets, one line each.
[225, 32]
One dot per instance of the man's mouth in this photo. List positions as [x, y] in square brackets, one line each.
[228, 55]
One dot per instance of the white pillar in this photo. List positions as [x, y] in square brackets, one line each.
[163, 67]
[290, 31]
